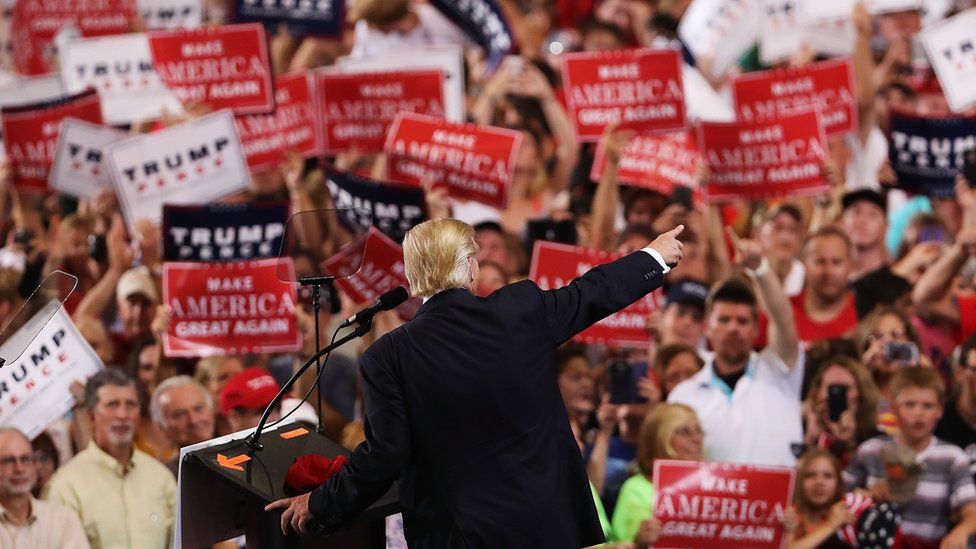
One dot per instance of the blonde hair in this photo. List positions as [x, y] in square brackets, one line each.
[378, 12]
[654, 441]
[436, 254]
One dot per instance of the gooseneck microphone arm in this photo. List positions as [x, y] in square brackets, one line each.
[364, 323]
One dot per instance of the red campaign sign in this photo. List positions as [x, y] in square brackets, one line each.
[30, 134]
[357, 109]
[556, 265]
[230, 308]
[780, 156]
[656, 162]
[475, 162]
[266, 138]
[828, 85]
[718, 505]
[224, 67]
[637, 89]
[37, 22]
[364, 273]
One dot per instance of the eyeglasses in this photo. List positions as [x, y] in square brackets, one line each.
[25, 460]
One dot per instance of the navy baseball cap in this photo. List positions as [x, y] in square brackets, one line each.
[687, 292]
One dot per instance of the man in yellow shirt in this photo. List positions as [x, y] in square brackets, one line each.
[124, 497]
[26, 523]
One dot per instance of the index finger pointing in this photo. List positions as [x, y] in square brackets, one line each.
[677, 230]
[277, 504]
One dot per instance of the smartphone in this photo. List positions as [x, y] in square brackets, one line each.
[97, 247]
[836, 401]
[550, 230]
[903, 353]
[623, 388]
[682, 195]
[969, 167]
[931, 234]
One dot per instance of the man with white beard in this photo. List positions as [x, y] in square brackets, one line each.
[24, 521]
[124, 497]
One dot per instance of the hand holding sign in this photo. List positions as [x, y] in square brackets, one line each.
[669, 246]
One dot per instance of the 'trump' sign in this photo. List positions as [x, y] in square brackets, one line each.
[928, 153]
[951, 47]
[79, 167]
[195, 162]
[223, 232]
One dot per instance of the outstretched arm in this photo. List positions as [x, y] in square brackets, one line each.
[608, 288]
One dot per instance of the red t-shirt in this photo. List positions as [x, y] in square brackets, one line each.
[839, 326]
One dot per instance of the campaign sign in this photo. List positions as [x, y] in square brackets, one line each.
[556, 265]
[475, 162]
[30, 134]
[229, 308]
[357, 108]
[121, 69]
[656, 162]
[484, 22]
[37, 22]
[366, 272]
[193, 163]
[447, 59]
[779, 156]
[171, 14]
[393, 209]
[636, 89]
[951, 48]
[928, 153]
[79, 169]
[717, 505]
[780, 31]
[312, 17]
[722, 30]
[34, 390]
[828, 85]
[225, 67]
[223, 232]
[291, 127]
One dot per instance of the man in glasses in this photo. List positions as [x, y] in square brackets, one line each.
[26, 522]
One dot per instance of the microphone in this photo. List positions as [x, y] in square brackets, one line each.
[387, 301]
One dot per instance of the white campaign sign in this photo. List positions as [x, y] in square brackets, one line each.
[951, 48]
[171, 14]
[120, 67]
[34, 390]
[79, 169]
[721, 29]
[446, 58]
[192, 163]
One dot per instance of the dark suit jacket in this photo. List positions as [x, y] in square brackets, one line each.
[462, 405]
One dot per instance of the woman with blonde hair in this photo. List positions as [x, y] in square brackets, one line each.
[857, 423]
[670, 431]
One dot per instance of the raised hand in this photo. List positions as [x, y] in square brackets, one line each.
[748, 253]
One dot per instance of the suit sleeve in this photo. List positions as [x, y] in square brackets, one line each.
[379, 460]
[600, 292]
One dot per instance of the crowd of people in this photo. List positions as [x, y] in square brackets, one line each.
[777, 307]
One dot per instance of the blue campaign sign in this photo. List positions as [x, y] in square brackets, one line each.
[223, 232]
[928, 153]
[484, 22]
[393, 209]
[303, 17]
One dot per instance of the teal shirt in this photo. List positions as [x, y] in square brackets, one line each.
[634, 505]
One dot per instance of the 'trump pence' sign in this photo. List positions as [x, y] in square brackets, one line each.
[195, 162]
[34, 390]
[717, 505]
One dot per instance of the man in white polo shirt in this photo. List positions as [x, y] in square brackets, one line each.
[748, 403]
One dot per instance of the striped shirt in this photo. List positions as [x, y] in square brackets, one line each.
[945, 485]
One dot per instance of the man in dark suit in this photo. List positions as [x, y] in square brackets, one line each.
[463, 407]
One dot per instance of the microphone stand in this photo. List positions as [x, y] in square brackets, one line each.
[362, 329]
[316, 283]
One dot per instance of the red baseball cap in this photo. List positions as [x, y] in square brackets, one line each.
[254, 389]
